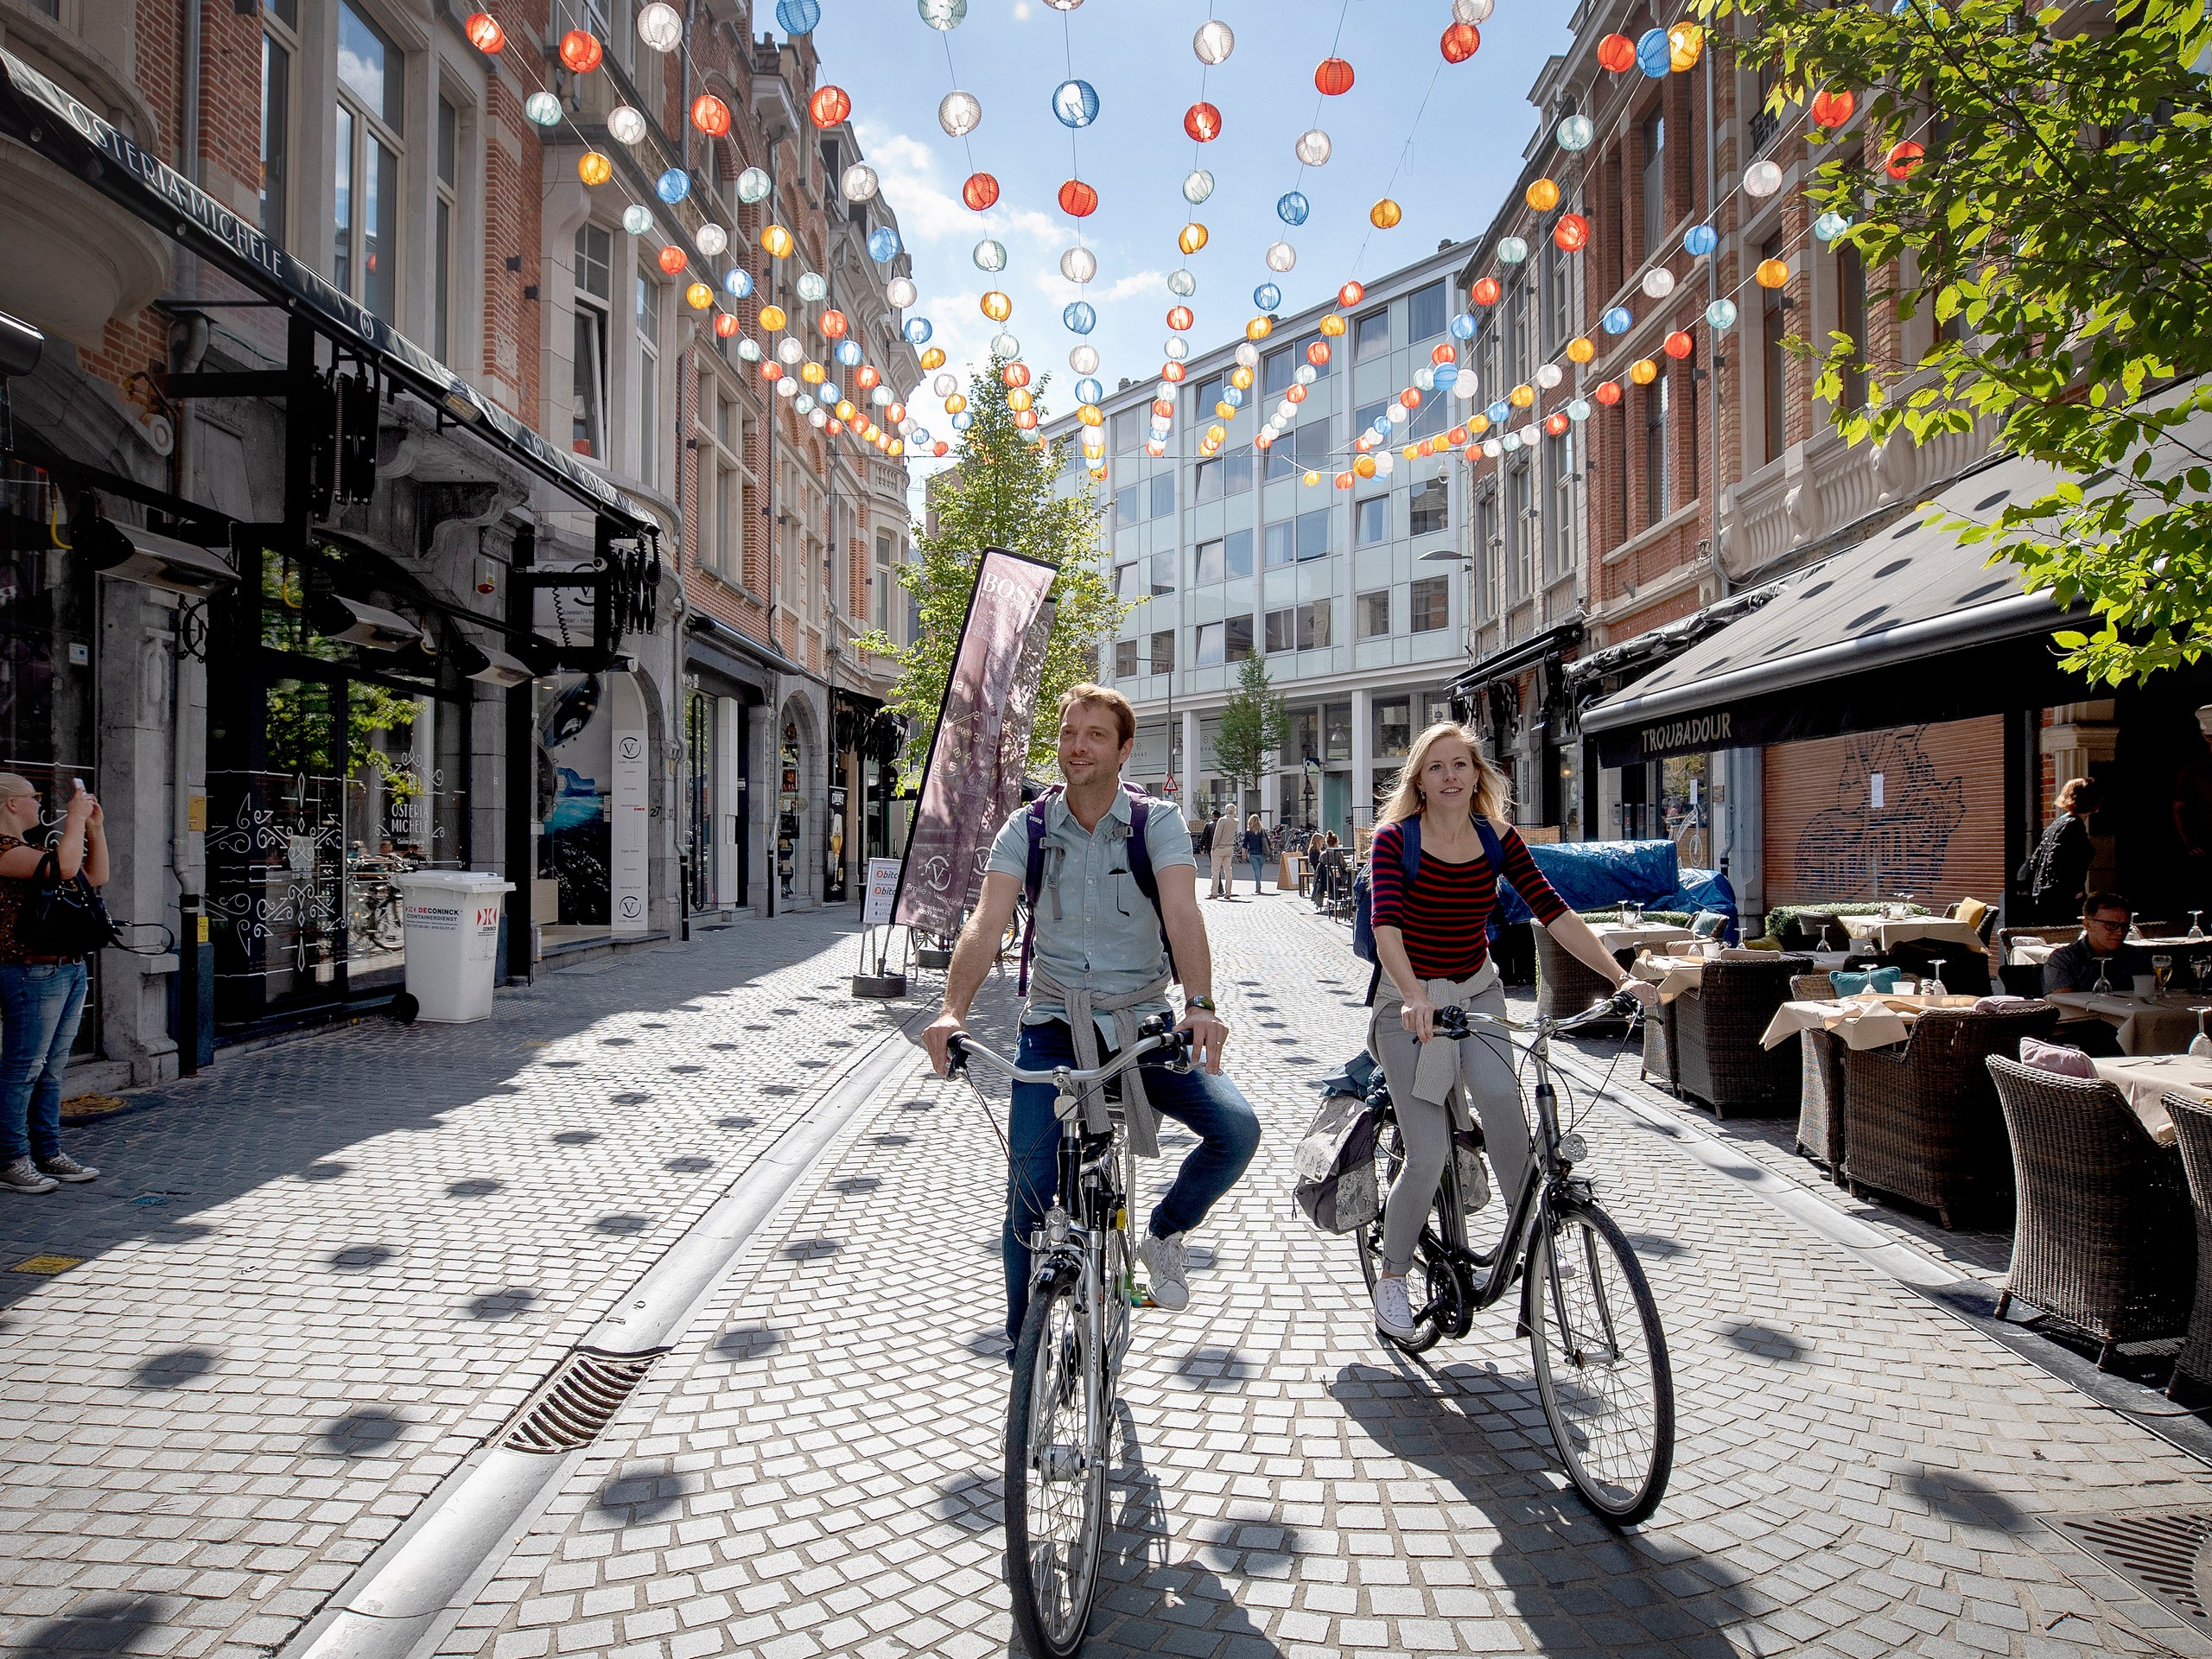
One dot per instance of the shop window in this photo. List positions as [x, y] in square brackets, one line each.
[279, 50]
[1316, 534]
[1425, 313]
[371, 110]
[1163, 495]
[1125, 659]
[1313, 626]
[1371, 335]
[1371, 521]
[1430, 509]
[1374, 614]
[1432, 604]
[1163, 651]
[1335, 731]
[1392, 732]
[594, 293]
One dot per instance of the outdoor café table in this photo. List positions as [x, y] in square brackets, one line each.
[2147, 1081]
[2032, 955]
[2148, 1025]
[1637, 935]
[1867, 1019]
[2035, 953]
[1887, 934]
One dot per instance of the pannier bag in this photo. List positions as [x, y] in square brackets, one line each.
[1333, 1172]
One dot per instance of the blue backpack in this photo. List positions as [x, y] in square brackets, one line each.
[1362, 892]
[1033, 880]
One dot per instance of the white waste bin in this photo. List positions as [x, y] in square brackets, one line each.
[452, 923]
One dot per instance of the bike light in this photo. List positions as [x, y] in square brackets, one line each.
[1573, 1149]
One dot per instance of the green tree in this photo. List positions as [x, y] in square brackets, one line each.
[2054, 223]
[1000, 494]
[1254, 723]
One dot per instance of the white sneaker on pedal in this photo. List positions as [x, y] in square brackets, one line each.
[1394, 1313]
[1167, 1266]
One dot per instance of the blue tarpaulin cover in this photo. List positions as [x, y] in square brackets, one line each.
[1592, 874]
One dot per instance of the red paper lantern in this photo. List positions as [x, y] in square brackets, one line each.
[1333, 77]
[1015, 374]
[484, 32]
[1485, 290]
[1024, 418]
[1460, 42]
[1262, 441]
[1473, 452]
[940, 448]
[1832, 109]
[1171, 371]
[828, 105]
[1343, 481]
[866, 377]
[1202, 123]
[894, 413]
[1678, 345]
[1296, 392]
[710, 115]
[1608, 392]
[980, 191]
[1078, 199]
[672, 259]
[1616, 54]
[1350, 294]
[1571, 233]
[833, 324]
[1180, 319]
[1154, 448]
[1455, 437]
[1441, 352]
[833, 426]
[1555, 423]
[580, 51]
[1409, 398]
[1317, 353]
[725, 324]
[770, 370]
[1903, 158]
[1164, 408]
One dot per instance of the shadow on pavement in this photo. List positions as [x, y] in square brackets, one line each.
[98, 1624]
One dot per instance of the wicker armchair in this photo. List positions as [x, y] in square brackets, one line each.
[2192, 1121]
[1966, 973]
[1713, 1034]
[2102, 1236]
[1565, 985]
[1820, 1110]
[1921, 1120]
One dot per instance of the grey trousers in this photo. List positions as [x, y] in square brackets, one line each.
[1486, 1077]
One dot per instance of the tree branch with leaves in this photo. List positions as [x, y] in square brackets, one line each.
[1254, 724]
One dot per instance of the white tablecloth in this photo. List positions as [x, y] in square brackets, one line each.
[2147, 1081]
[2147, 1025]
[1886, 935]
[1869, 1019]
[1641, 936]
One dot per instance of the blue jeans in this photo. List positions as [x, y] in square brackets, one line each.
[1211, 1107]
[40, 1006]
[1254, 860]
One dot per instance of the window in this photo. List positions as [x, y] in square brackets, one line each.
[1315, 534]
[648, 321]
[1278, 371]
[1394, 726]
[1371, 521]
[1851, 319]
[1223, 475]
[1237, 545]
[1520, 509]
[1163, 572]
[1363, 419]
[1128, 431]
[448, 170]
[1425, 313]
[1336, 732]
[595, 289]
[1282, 630]
[880, 609]
[1163, 651]
[365, 262]
[1432, 604]
[1371, 335]
[1210, 645]
[1655, 451]
[1209, 564]
[1655, 184]
[1306, 450]
[1313, 626]
[1239, 639]
[278, 44]
[1282, 543]
[1238, 478]
[1487, 546]
[1125, 582]
[1125, 659]
[721, 424]
[1559, 523]
[1163, 495]
[1559, 293]
[1772, 326]
[1127, 512]
[1517, 343]
[1374, 612]
[1433, 415]
[1431, 508]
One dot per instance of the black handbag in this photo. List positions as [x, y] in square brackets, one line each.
[62, 918]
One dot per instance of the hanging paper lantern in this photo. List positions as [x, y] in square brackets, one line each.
[1281, 256]
[1313, 148]
[1578, 410]
[813, 374]
[776, 242]
[798, 16]
[772, 317]
[1617, 53]
[858, 183]
[980, 191]
[1511, 249]
[1571, 233]
[1762, 179]
[941, 15]
[1258, 328]
[725, 324]
[1198, 186]
[1460, 42]
[580, 51]
[1830, 225]
[660, 26]
[1555, 423]
[1685, 42]
[1076, 103]
[1019, 399]
[1485, 290]
[637, 219]
[1332, 77]
[1177, 349]
[996, 306]
[771, 371]
[1574, 132]
[959, 114]
[1192, 238]
[1342, 480]
[791, 351]
[1522, 396]
[828, 106]
[1678, 345]
[626, 125]
[1078, 199]
[918, 331]
[712, 239]
[940, 448]
[990, 255]
[1384, 215]
[1608, 392]
[484, 32]
[1292, 208]
[1214, 41]
[594, 168]
[1201, 121]
[832, 324]
[1652, 52]
[1644, 371]
[883, 245]
[1616, 320]
[738, 283]
[1441, 354]
[753, 184]
[1025, 418]
[1409, 398]
[1581, 349]
[1267, 296]
[1700, 240]
[1365, 466]
[932, 358]
[1658, 282]
[1079, 264]
[1180, 320]
[1332, 325]
[1542, 195]
[1832, 107]
[673, 186]
[1903, 158]
[710, 115]
[1721, 314]
[673, 259]
[698, 296]
[544, 108]
[868, 378]
[1771, 273]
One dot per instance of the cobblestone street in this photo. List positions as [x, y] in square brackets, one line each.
[372, 1245]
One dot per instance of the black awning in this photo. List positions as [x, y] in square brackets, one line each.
[82, 142]
[1513, 658]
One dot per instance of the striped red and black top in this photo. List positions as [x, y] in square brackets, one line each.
[1445, 915]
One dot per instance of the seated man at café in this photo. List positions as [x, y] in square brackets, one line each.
[2101, 949]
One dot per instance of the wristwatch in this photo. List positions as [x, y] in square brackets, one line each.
[1205, 1002]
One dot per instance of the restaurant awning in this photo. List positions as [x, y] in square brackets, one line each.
[80, 141]
[1511, 659]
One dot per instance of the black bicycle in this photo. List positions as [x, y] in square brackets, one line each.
[1593, 1324]
[1082, 1288]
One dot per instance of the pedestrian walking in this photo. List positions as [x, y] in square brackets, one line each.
[1225, 856]
[1202, 843]
[2056, 875]
[1256, 848]
[41, 996]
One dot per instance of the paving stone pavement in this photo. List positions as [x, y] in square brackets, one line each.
[313, 1278]
[814, 1468]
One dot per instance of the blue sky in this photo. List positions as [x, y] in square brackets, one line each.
[1453, 167]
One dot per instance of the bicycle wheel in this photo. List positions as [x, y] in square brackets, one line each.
[1055, 1474]
[1601, 1362]
[1430, 1283]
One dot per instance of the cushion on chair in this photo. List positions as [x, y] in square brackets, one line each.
[2060, 1058]
[1850, 984]
[1971, 911]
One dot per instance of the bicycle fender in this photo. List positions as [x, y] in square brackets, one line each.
[1051, 1271]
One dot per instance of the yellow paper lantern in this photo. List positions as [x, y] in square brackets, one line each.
[1214, 434]
[1019, 399]
[1580, 349]
[772, 316]
[812, 374]
[1258, 328]
[1241, 377]
[1192, 238]
[1644, 371]
[1479, 425]
[1224, 410]
[699, 297]
[777, 241]
[996, 306]
[1685, 42]
[1543, 195]
[1521, 395]
[845, 410]
[933, 358]
[1772, 273]
[1384, 215]
[1332, 325]
[594, 168]
[1411, 452]
[1311, 478]
[1364, 466]
[955, 403]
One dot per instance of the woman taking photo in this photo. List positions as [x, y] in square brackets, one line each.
[1432, 939]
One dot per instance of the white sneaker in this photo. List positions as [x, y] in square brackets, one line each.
[1393, 1314]
[1167, 1266]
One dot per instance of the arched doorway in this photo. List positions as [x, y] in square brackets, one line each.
[798, 763]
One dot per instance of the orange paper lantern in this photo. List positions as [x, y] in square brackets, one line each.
[1295, 393]
[594, 168]
[1608, 392]
[833, 324]
[980, 191]
[1542, 195]
[1903, 158]
[1460, 42]
[1180, 319]
[1078, 199]
[1332, 325]
[772, 317]
[1192, 238]
[1317, 353]
[1333, 77]
[1343, 481]
[1171, 371]
[580, 51]
[1485, 290]
[1643, 371]
[1350, 294]
[1409, 398]
[828, 105]
[1384, 215]
[1571, 233]
[1441, 351]
[484, 32]
[1771, 273]
[725, 324]
[672, 259]
[1616, 54]
[1202, 123]
[1832, 109]
[710, 115]
[1015, 374]
[1581, 349]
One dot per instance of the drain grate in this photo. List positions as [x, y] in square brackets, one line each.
[2160, 1552]
[571, 1406]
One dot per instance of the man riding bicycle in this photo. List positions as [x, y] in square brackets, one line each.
[1101, 967]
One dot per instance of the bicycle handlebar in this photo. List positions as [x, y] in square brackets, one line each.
[1454, 1022]
[1155, 1036]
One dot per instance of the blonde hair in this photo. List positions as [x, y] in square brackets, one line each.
[1252, 822]
[1493, 795]
[14, 784]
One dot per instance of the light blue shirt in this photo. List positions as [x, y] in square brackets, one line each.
[1107, 937]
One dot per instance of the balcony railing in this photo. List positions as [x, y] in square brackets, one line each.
[1765, 125]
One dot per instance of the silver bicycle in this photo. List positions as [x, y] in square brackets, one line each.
[1083, 1289]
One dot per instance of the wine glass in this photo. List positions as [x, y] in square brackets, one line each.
[1933, 985]
[2195, 924]
[2162, 965]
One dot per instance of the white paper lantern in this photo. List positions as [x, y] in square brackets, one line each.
[660, 26]
[1762, 179]
[1472, 11]
[900, 292]
[1465, 385]
[790, 350]
[787, 387]
[1425, 379]
[1549, 376]
[959, 114]
[813, 288]
[1492, 448]
[1214, 41]
[945, 384]
[1004, 346]
[990, 255]
[1079, 264]
[1198, 186]
[713, 239]
[1306, 374]
[1182, 283]
[626, 124]
[860, 181]
[1385, 463]
[1248, 355]
[1314, 146]
[753, 184]
[941, 15]
[1658, 281]
[880, 397]
[1176, 348]
[1083, 359]
[1281, 256]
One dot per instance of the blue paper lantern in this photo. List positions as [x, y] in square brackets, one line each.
[849, 352]
[798, 17]
[1700, 240]
[674, 184]
[918, 331]
[1443, 375]
[1462, 326]
[1382, 425]
[1233, 397]
[1616, 320]
[963, 421]
[1079, 317]
[1292, 208]
[1087, 390]
[1830, 225]
[1654, 54]
[883, 245]
[738, 284]
[1499, 412]
[830, 394]
[1076, 102]
[1267, 296]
